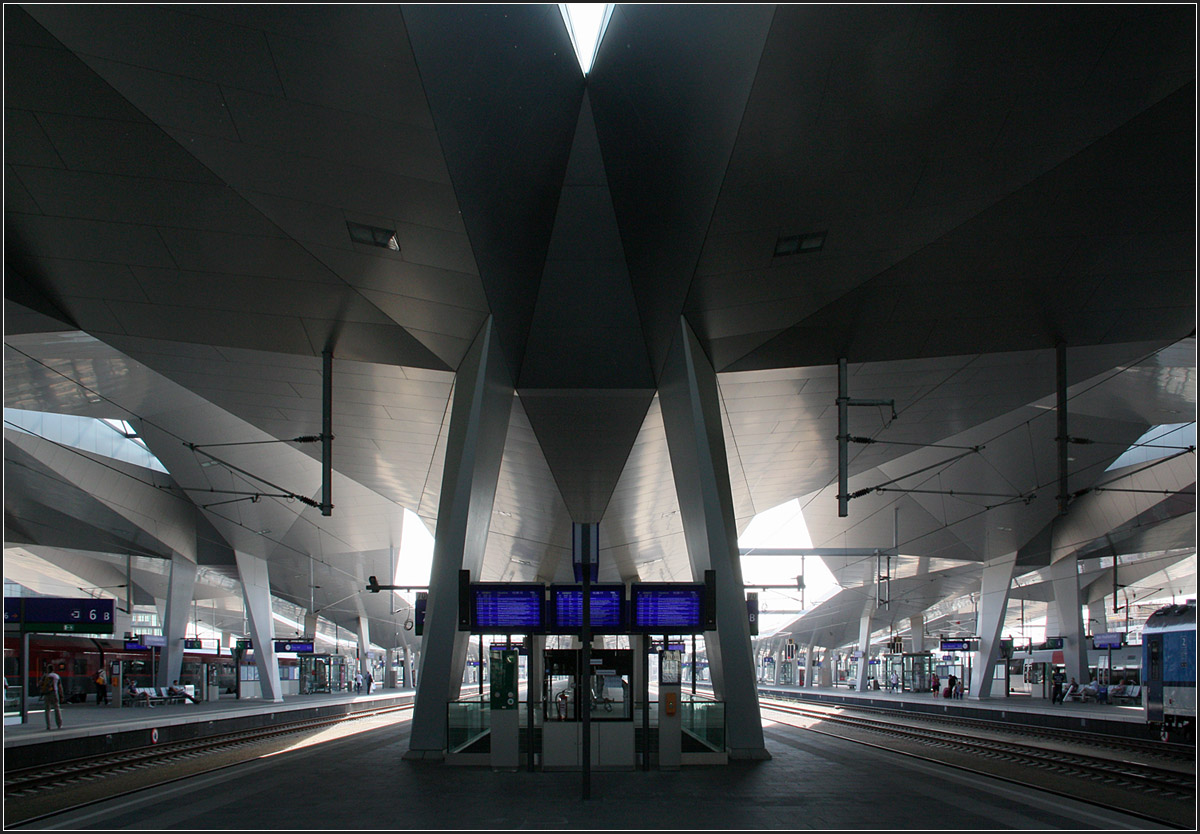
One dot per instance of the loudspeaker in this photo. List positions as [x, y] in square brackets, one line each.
[464, 600]
[710, 600]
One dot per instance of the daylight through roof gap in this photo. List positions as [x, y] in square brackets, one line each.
[586, 23]
[373, 236]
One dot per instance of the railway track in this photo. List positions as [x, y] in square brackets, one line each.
[1111, 772]
[36, 792]
[1148, 747]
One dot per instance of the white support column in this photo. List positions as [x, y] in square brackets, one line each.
[916, 629]
[691, 413]
[864, 648]
[808, 665]
[482, 406]
[993, 604]
[364, 644]
[180, 587]
[256, 588]
[1068, 607]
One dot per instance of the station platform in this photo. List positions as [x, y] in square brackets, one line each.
[1112, 719]
[91, 729]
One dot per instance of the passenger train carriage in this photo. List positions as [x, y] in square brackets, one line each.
[78, 659]
[1169, 671]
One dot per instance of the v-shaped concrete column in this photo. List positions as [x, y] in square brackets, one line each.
[479, 415]
[692, 419]
[180, 587]
[256, 588]
[993, 604]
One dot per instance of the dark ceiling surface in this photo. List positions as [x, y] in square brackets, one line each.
[987, 183]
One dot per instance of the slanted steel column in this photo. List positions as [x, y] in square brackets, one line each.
[256, 589]
[479, 417]
[691, 412]
[180, 588]
[993, 604]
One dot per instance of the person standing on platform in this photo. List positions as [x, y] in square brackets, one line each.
[368, 680]
[52, 690]
[958, 689]
[1056, 692]
[892, 681]
[934, 680]
[358, 681]
[101, 687]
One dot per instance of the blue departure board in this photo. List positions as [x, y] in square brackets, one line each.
[507, 607]
[302, 646]
[667, 608]
[956, 645]
[607, 614]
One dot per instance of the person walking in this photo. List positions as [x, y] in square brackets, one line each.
[52, 692]
[368, 680]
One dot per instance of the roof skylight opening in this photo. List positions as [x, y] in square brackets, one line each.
[794, 244]
[1160, 442]
[586, 23]
[373, 236]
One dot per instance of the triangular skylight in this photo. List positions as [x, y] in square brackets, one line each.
[586, 23]
[1159, 442]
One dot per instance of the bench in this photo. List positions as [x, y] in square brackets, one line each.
[157, 695]
[1131, 695]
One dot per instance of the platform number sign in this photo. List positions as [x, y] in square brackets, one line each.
[60, 615]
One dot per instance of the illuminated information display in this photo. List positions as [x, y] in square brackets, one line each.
[674, 608]
[55, 614]
[956, 645]
[507, 607]
[301, 646]
[607, 608]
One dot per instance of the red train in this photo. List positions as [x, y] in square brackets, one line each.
[77, 658]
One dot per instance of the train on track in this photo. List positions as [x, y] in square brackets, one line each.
[78, 658]
[1169, 671]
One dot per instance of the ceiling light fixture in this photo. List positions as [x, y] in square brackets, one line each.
[373, 236]
[799, 244]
